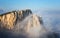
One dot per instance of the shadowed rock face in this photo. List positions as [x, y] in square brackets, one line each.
[9, 19]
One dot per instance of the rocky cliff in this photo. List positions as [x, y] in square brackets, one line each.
[23, 24]
[9, 19]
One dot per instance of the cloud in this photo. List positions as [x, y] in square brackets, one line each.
[51, 19]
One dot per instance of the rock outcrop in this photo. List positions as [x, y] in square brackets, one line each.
[9, 19]
[23, 24]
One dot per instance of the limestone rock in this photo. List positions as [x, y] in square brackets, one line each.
[9, 19]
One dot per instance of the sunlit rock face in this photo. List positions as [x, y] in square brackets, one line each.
[9, 19]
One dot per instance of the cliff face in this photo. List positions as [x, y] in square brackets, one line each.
[23, 24]
[9, 19]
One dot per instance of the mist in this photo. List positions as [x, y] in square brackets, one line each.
[33, 26]
[51, 19]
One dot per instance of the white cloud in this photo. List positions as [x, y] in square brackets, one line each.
[50, 19]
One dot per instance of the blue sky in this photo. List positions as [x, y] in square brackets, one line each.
[32, 4]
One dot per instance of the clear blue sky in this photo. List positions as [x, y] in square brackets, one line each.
[32, 4]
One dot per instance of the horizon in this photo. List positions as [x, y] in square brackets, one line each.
[29, 4]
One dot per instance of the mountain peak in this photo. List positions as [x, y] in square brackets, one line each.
[9, 19]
